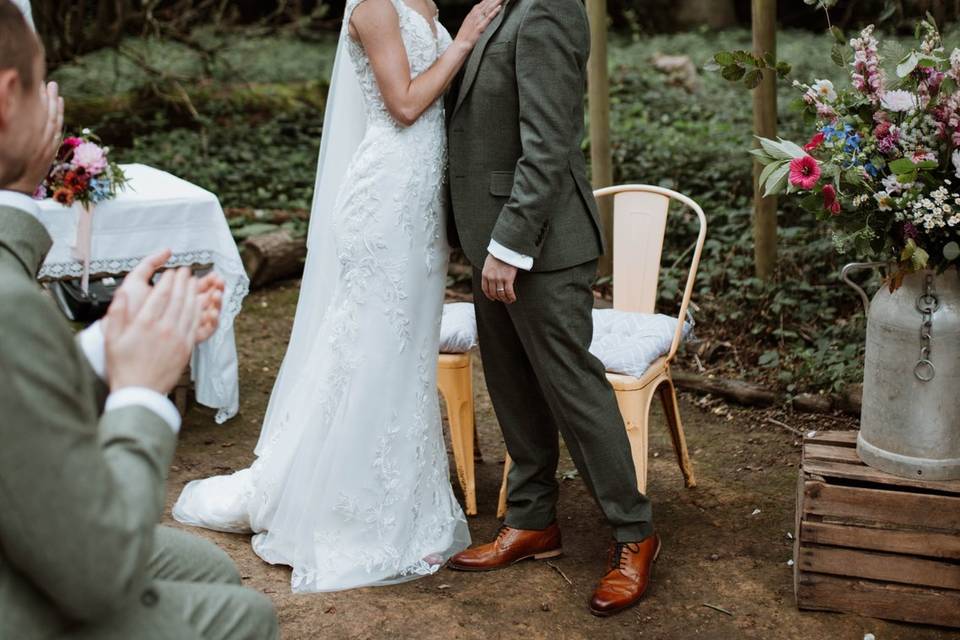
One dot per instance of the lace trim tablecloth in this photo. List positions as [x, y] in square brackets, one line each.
[162, 211]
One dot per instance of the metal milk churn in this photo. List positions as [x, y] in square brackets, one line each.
[910, 418]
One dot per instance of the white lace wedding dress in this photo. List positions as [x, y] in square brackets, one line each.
[351, 484]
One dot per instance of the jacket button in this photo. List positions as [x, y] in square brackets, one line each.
[149, 598]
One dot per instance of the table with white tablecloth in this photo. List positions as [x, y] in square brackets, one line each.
[160, 211]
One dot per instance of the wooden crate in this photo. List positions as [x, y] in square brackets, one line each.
[874, 544]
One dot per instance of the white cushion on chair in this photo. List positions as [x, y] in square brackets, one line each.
[625, 342]
[629, 343]
[458, 331]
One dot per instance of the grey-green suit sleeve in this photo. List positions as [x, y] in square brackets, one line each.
[79, 500]
[553, 44]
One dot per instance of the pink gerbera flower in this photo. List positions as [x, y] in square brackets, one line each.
[804, 172]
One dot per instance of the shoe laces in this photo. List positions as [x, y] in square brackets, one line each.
[504, 529]
[618, 561]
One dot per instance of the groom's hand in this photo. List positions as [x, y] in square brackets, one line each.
[498, 281]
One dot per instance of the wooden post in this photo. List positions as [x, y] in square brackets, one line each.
[599, 93]
[765, 125]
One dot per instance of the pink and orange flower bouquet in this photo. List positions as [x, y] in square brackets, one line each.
[83, 173]
[882, 165]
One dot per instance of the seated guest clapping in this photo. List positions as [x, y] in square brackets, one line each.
[86, 430]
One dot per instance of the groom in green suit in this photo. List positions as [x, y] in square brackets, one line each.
[83, 464]
[525, 215]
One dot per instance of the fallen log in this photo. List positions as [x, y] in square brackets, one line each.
[813, 403]
[746, 393]
[181, 108]
[754, 395]
[278, 255]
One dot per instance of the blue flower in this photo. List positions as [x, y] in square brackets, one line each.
[99, 190]
[853, 143]
[872, 170]
[830, 132]
[833, 133]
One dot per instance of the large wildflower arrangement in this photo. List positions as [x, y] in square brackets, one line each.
[882, 164]
[82, 172]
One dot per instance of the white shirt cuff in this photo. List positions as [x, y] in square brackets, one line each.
[148, 399]
[93, 345]
[510, 256]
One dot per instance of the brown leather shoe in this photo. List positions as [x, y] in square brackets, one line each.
[631, 564]
[510, 547]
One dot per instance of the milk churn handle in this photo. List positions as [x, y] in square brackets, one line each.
[860, 266]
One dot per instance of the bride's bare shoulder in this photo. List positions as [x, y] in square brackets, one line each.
[370, 16]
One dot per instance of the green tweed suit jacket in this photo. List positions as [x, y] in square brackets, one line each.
[80, 493]
[517, 172]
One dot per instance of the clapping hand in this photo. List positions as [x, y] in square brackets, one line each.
[136, 288]
[46, 146]
[151, 347]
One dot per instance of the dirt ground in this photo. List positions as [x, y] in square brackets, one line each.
[726, 542]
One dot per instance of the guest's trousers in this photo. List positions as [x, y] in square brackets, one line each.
[195, 595]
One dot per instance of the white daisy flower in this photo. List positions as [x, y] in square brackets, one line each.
[899, 101]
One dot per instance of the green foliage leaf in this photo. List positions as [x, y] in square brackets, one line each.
[838, 55]
[775, 149]
[769, 359]
[777, 182]
[906, 66]
[752, 80]
[769, 170]
[902, 166]
[733, 72]
[792, 148]
[724, 58]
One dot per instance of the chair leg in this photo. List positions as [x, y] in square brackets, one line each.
[502, 502]
[181, 393]
[456, 386]
[668, 396]
[635, 409]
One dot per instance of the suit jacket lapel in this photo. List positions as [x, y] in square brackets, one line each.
[473, 63]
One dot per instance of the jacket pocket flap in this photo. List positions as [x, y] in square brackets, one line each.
[501, 183]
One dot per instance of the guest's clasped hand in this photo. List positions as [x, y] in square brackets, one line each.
[150, 332]
[47, 144]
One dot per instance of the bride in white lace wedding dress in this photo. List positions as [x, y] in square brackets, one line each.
[351, 485]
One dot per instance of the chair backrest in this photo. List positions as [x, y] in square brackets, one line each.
[639, 229]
